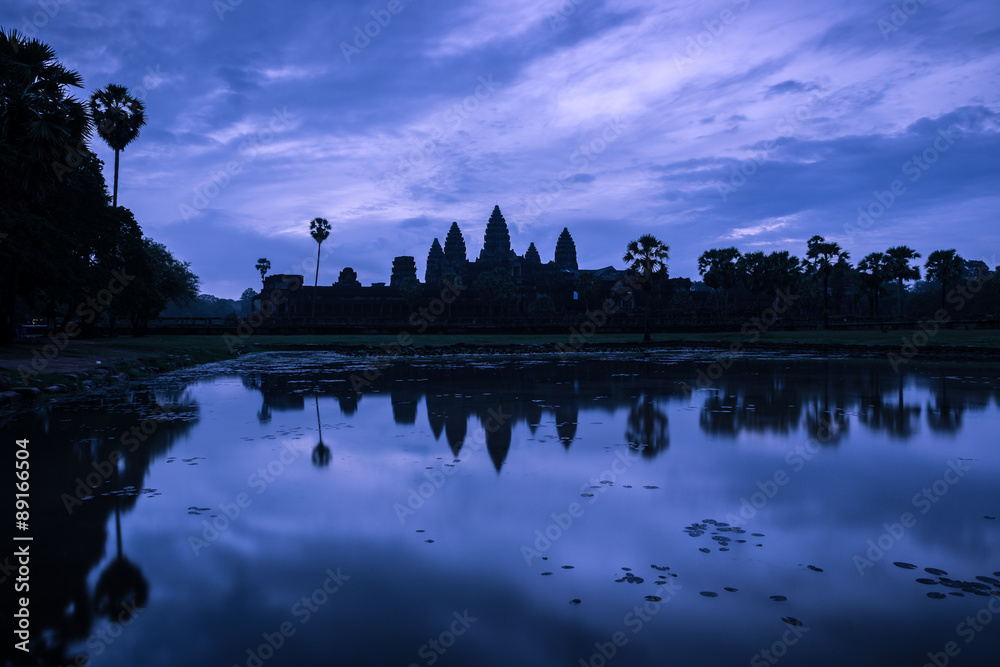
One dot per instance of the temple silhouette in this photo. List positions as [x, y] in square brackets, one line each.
[498, 284]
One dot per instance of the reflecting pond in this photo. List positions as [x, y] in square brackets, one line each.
[280, 509]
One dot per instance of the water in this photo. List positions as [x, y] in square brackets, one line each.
[536, 511]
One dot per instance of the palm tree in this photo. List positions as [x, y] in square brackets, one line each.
[42, 135]
[944, 266]
[873, 268]
[823, 257]
[319, 228]
[263, 265]
[39, 123]
[718, 269]
[647, 258]
[898, 268]
[118, 117]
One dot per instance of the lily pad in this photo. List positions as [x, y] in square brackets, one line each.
[905, 566]
[710, 594]
[778, 598]
[653, 598]
[936, 595]
[934, 570]
[791, 620]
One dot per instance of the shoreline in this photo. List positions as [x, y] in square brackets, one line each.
[28, 377]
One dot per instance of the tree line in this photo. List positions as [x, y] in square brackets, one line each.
[826, 269]
[67, 250]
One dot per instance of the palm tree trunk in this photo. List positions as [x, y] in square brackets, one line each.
[645, 327]
[899, 296]
[114, 199]
[316, 282]
[826, 317]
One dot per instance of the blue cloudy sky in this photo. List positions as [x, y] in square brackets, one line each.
[754, 123]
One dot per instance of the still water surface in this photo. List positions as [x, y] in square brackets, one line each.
[522, 511]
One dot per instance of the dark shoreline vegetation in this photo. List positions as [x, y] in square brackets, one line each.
[95, 364]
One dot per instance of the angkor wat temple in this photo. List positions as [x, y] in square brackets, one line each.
[497, 285]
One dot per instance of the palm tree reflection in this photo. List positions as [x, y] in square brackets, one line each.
[321, 454]
[647, 427]
[121, 589]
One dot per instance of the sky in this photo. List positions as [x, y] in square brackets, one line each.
[747, 123]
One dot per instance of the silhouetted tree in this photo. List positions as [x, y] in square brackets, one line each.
[718, 269]
[263, 265]
[118, 117]
[898, 268]
[944, 266]
[823, 257]
[647, 258]
[873, 274]
[319, 229]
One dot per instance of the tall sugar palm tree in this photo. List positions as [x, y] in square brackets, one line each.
[647, 258]
[319, 228]
[944, 266]
[873, 268]
[898, 268]
[118, 117]
[823, 257]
